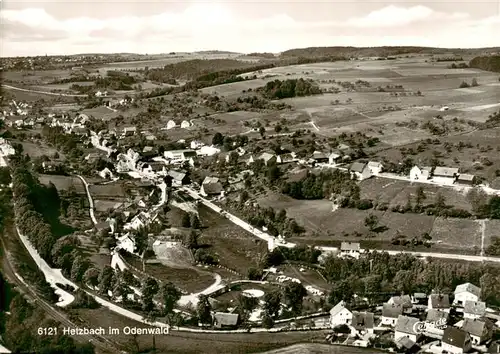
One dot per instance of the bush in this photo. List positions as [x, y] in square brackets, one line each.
[364, 204]
[463, 85]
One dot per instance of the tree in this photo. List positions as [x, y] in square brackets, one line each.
[203, 310]
[191, 240]
[371, 222]
[478, 199]
[91, 276]
[195, 221]
[254, 273]
[272, 303]
[105, 279]
[267, 321]
[186, 220]
[170, 295]
[420, 196]
[218, 139]
[262, 131]
[273, 173]
[294, 295]
[148, 290]
[341, 291]
[494, 207]
[79, 267]
[474, 82]
[247, 303]
[141, 240]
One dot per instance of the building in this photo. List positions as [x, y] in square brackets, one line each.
[466, 292]
[363, 322]
[375, 167]
[179, 156]
[445, 175]
[211, 189]
[420, 174]
[435, 322]
[474, 309]
[319, 157]
[267, 158]
[351, 249]
[286, 158]
[178, 178]
[390, 314]
[340, 315]
[466, 179]
[404, 301]
[439, 302]
[480, 330]
[456, 341]
[406, 327]
[334, 158]
[129, 131]
[225, 320]
[360, 171]
[419, 298]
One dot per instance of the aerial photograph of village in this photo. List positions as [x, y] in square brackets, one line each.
[270, 177]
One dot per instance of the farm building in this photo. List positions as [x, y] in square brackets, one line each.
[360, 171]
[406, 327]
[456, 341]
[334, 158]
[420, 174]
[319, 157]
[434, 321]
[375, 167]
[211, 189]
[267, 158]
[466, 292]
[129, 131]
[466, 179]
[404, 301]
[185, 124]
[351, 249]
[285, 158]
[179, 155]
[445, 175]
[225, 320]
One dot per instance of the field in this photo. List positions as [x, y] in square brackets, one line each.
[306, 276]
[37, 150]
[112, 190]
[185, 342]
[105, 205]
[63, 182]
[234, 247]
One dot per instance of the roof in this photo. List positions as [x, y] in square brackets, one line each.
[286, 157]
[148, 149]
[156, 166]
[357, 167]
[348, 246]
[362, 319]
[439, 301]
[209, 179]
[455, 337]
[476, 327]
[266, 156]
[374, 164]
[466, 177]
[475, 308]
[494, 348]
[212, 188]
[434, 315]
[406, 324]
[317, 155]
[391, 310]
[176, 175]
[129, 129]
[226, 319]
[403, 300]
[337, 308]
[445, 171]
[335, 155]
[343, 147]
[420, 296]
[468, 287]
[405, 342]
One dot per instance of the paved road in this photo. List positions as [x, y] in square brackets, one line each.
[42, 92]
[91, 201]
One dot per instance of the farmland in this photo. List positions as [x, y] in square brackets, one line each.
[63, 182]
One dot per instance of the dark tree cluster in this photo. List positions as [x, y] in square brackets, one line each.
[68, 143]
[488, 63]
[278, 89]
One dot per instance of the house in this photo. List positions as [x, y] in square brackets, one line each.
[212, 188]
[196, 144]
[360, 171]
[406, 345]
[352, 249]
[286, 158]
[435, 321]
[390, 314]
[480, 330]
[494, 348]
[375, 167]
[466, 179]
[340, 315]
[466, 292]
[334, 158]
[178, 178]
[420, 174]
[129, 131]
[319, 157]
[474, 309]
[207, 151]
[404, 301]
[363, 322]
[439, 302]
[148, 152]
[225, 320]
[456, 341]
[267, 158]
[179, 156]
[419, 299]
[407, 327]
[171, 124]
[158, 168]
[185, 124]
[445, 175]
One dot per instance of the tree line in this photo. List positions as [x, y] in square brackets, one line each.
[278, 89]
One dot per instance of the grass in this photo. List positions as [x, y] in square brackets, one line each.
[63, 182]
[108, 190]
[185, 342]
[234, 247]
[36, 150]
[307, 277]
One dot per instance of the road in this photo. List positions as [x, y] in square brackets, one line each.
[42, 92]
[9, 271]
[91, 201]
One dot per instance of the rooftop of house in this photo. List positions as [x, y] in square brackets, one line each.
[226, 319]
[357, 167]
[445, 171]
[318, 155]
[337, 308]
[176, 175]
[210, 179]
[405, 342]
[439, 301]
[362, 319]
[455, 337]
[350, 246]
[374, 164]
[266, 156]
[434, 315]
[468, 287]
[403, 300]
[466, 177]
[475, 308]
[406, 324]
[392, 310]
[476, 327]
[212, 188]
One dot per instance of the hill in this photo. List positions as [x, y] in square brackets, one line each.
[488, 63]
[379, 51]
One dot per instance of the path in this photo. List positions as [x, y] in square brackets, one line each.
[91, 201]
[314, 125]
[483, 234]
[193, 298]
[42, 92]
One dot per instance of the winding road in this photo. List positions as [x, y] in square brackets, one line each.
[89, 197]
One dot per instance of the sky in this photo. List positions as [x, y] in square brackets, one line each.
[61, 27]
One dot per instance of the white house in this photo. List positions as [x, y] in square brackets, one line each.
[352, 249]
[340, 315]
[375, 167]
[480, 331]
[126, 243]
[406, 327]
[445, 175]
[138, 221]
[466, 292]
[404, 301]
[267, 158]
[5, 148]
[171, 124]
[360, 171]
[185, 124]
[179, 156]
[334, 158]
[420, 174]
[390, 314]
[207, 151]
[474, 309]
[196, 144]
[439, 302]
[456, 341]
